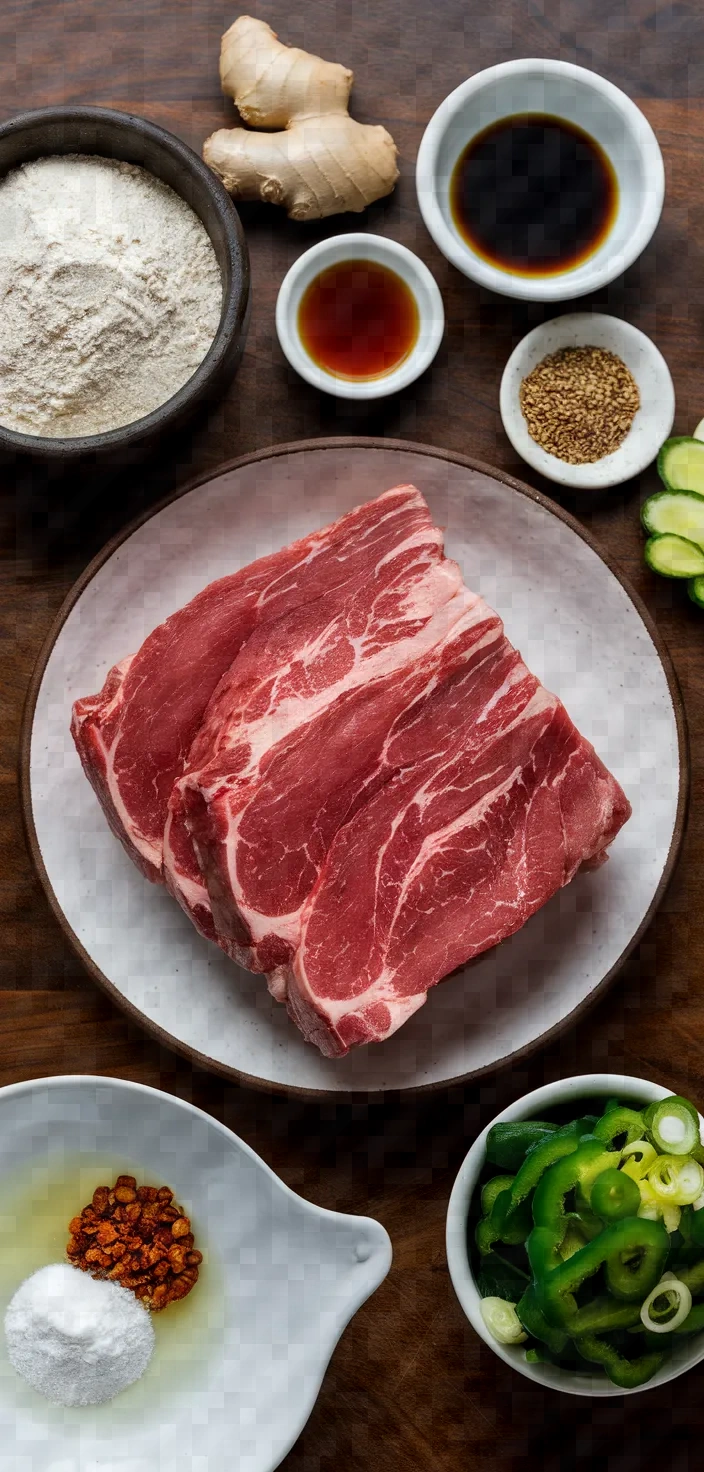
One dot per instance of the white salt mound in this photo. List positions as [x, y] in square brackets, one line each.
[79, 1340]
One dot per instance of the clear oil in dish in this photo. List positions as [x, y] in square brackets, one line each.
[36, 1206]
[358, 320]
[533, 194]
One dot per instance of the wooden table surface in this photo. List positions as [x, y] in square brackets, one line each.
[410, 1385]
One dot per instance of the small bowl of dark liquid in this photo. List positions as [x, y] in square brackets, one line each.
[540, 180]
[359, 316]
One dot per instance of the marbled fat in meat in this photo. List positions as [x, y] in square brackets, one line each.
[494, 801]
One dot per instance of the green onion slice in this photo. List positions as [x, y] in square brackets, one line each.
[653, 1209]
[674, 1125]
[674, 1300]
[502, 1321]
[676, 1182]
[638, 1159]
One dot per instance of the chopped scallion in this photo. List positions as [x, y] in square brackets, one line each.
[502, 1321]
[676, 1182]
[675, 1302]
[673, 1125]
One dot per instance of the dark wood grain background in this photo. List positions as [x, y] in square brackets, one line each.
[410, 1386]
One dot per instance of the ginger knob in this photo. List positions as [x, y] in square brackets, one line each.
[320, 162]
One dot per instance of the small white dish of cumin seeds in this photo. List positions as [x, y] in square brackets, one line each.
[652, 421]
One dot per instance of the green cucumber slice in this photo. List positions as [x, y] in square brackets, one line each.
[696, 591]
[679, 512]
[681, 464]
[674, 557]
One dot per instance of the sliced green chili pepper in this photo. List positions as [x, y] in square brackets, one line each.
[508, 1144]
[621, 1121]
[492, 1189]
[692, 1226]
[693, 1324]
[632, 1251]
[512, 1223]
[577, 1169]
[604, 1315]
[694, 1321]
[694, 1277]
[545, 1154]
[627, 1373]
[533, 1319]
[503, 1224]
[614, 1195]
[575, 1238]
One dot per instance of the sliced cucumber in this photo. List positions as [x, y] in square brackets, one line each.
[681, 464]
[696, 591]
[679, 512]
[674, 557]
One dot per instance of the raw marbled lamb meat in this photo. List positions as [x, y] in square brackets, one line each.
[345, 772]
[290, 750]
[395, 605]
[134, 736]
[494, 802]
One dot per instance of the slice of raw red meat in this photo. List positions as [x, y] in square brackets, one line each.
[494, 802]
[291, 742]
[287, 672]
[134, 736]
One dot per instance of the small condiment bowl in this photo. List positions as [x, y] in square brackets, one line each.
[580, 97]
[652, 422]
[120, 135]
[238, 1364]
[566, 1094]
[378, 250]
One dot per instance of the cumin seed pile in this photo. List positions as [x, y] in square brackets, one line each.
[579, 404]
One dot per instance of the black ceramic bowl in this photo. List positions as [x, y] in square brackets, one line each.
[120, 135]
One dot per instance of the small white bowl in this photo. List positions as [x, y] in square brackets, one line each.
[652, 422]
[567, 1091]
[238, 1365]
[580, 97]
[382, 252]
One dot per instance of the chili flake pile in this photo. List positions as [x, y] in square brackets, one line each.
[140, 1238]
[579, 404]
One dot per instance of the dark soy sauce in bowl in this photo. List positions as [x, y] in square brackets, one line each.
[358, 320]
[533, 194]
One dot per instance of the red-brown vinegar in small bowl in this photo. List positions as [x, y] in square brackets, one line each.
[358, 320]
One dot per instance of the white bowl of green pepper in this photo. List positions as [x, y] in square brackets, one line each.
[603, 1193]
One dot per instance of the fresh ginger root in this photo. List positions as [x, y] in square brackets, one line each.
[320, 162]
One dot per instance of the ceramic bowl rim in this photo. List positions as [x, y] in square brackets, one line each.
[545, 289]
[577, 1086]
[133, 1086]
[598, 474]
[406, 264]
[234, 313]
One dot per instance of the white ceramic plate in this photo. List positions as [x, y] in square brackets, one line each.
[576, 625]
[234, 1380]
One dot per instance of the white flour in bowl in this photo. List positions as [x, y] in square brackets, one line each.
[110, 295]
